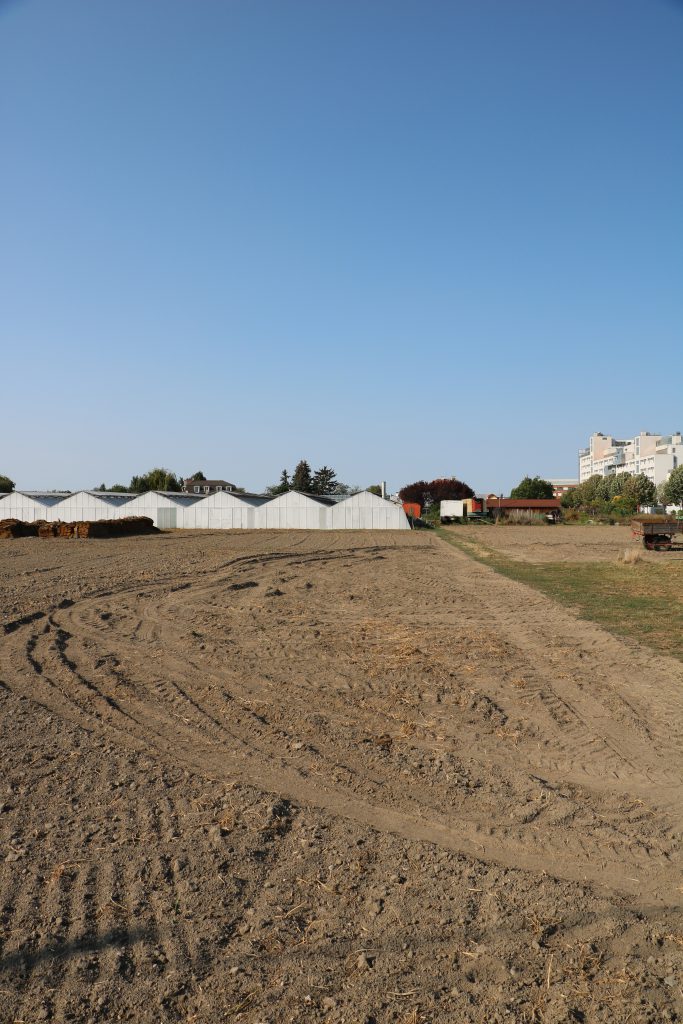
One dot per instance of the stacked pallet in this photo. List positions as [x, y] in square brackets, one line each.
[15, 528]
[128, 527]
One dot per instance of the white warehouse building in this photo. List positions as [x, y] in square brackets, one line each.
[223, 510]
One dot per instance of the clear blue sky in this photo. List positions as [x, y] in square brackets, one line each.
[405, 238]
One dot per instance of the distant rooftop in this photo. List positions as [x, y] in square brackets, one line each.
[45, 497]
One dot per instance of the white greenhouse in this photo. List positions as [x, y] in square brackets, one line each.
[29, 506]
[165, 508]
[294, 511]
[223, 510]
[90, 505]
[366, 511]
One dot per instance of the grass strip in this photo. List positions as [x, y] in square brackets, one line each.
[643, 601]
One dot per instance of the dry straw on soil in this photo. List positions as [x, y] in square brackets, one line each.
[629, 556]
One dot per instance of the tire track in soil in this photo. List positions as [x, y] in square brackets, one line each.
[594, 663]
[258, 742]
[96, 917]
[400, 822]
[643, 756]
[243, 710]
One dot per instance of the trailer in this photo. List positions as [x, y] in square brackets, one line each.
[451, 510]
[656, 532]
[467, 508]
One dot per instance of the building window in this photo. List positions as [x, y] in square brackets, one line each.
[196, 490]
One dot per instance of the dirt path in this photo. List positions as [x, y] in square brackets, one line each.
[331, 776]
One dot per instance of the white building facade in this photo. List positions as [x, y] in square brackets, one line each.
[654, 455]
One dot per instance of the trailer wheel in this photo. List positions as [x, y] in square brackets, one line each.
[649, 543]
[663, 543]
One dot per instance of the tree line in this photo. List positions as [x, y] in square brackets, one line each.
[622, 492]
[302, 478]
[322, 481]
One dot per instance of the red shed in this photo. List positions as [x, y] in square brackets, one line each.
[411, 508]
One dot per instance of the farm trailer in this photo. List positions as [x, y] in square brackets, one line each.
[656, 532]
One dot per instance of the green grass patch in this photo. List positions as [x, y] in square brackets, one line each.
[643, 601]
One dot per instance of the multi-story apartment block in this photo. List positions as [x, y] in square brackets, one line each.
[655, 455]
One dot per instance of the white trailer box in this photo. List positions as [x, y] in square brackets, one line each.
[450, 510]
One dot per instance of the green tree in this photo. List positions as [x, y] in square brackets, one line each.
[158, 479]
[672, 491]
[282, 487]
[119, 488]
[571, 498]
[6, 485]
[302, 479]
[198, 476]
[375, 489]
[587, 495]
[618, 484]
[324, 481]
[532, 487]
[640, 490]
[346, 489]
[603, 490]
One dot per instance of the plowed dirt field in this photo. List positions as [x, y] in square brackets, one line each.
[562, 543]
[344, 777]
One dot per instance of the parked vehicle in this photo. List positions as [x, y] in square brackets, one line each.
[468, 508]
[656, 531]
[451, 510]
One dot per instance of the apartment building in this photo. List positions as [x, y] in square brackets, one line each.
[655, 455]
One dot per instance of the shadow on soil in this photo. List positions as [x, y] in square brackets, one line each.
[28, 959]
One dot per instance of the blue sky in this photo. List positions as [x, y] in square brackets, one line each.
[404, 238]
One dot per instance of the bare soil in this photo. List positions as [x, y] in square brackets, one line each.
[344, 777]
[562, 543]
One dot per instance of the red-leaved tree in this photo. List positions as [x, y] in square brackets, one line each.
[414, 492]
[442, 489]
